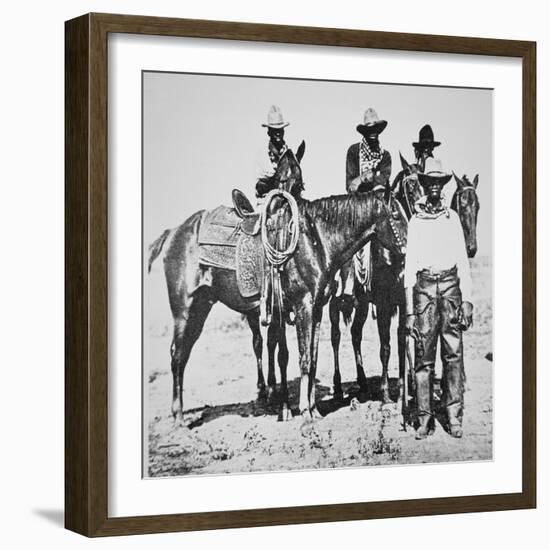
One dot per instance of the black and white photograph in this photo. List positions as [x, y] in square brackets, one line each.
[317, 274]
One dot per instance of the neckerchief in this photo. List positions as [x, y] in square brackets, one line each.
[368, 159]
[425, 210]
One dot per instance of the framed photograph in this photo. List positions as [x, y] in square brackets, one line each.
[305, 256]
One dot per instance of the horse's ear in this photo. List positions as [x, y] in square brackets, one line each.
[406, 166]
[476, 181]
[459, 182]
[300, 152]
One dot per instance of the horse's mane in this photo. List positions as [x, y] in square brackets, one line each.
[345, 210]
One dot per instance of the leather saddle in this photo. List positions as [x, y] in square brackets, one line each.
[229, 238]
[250, 220]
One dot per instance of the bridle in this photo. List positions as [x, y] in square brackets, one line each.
[457, 195]
[389, 204]
[405, 185]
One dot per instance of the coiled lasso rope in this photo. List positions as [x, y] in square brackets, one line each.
[276, 257]
[272, 293]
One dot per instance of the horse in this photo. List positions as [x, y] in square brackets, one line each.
[331, 230]
[386, 293]
[465, 203]
[387, 290]
[406, 187]
[288, 176]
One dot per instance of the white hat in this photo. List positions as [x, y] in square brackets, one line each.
[275, 118]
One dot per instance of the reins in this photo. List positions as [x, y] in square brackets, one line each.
[275, 257]
[459, 191]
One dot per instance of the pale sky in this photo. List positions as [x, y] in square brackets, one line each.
[202, 135]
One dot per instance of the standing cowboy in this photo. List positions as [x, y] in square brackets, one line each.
[423, 148]
[268, 161]
[367, 164]
[438, 290]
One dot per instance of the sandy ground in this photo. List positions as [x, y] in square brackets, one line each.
[229, 430]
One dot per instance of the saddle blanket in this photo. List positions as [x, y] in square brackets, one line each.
[224, 244]
[218, 237]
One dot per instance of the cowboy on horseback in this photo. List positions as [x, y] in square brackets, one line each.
[368, 165]
[424, 147]
[267, 163]
[368, 168]
[438, 289]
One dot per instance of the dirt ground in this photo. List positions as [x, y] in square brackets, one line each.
[229, 430]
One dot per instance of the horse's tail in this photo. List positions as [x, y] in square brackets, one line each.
[156, 248]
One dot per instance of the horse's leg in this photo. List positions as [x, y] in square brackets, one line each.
[361, 314]
[334, 315]
[187, 329]
[304, 332]
[257, 343]
[317, 316]
[282, 357]
[272, 340]
[383, 320]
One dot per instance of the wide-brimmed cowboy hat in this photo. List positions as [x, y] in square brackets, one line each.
[275, 118]
[433, 173]
[426, 138]
[372, 124]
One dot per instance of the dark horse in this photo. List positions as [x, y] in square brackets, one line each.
[465, 203]
[387, 290]
[385, 293]
[331, 230]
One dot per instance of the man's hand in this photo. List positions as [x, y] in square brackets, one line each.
[466, 318]
[367, 175]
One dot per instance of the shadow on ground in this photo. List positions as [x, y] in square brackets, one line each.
[326, 403]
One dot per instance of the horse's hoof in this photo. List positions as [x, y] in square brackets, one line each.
[271, 393]
[308, 425]
[262, 392]
[338, 395]
[178, 421]
[354, 404]
[315, 414]
[286, 414]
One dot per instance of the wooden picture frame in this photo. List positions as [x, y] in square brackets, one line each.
[86, 279]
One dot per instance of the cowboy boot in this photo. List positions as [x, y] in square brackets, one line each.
[454, 416]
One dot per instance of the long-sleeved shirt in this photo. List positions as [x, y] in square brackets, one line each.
[380, 176]
[437, 244]
[266, 160]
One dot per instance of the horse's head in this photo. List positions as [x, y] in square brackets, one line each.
[391, 227]
[288, 174]
[465, 203]
[406, 186]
